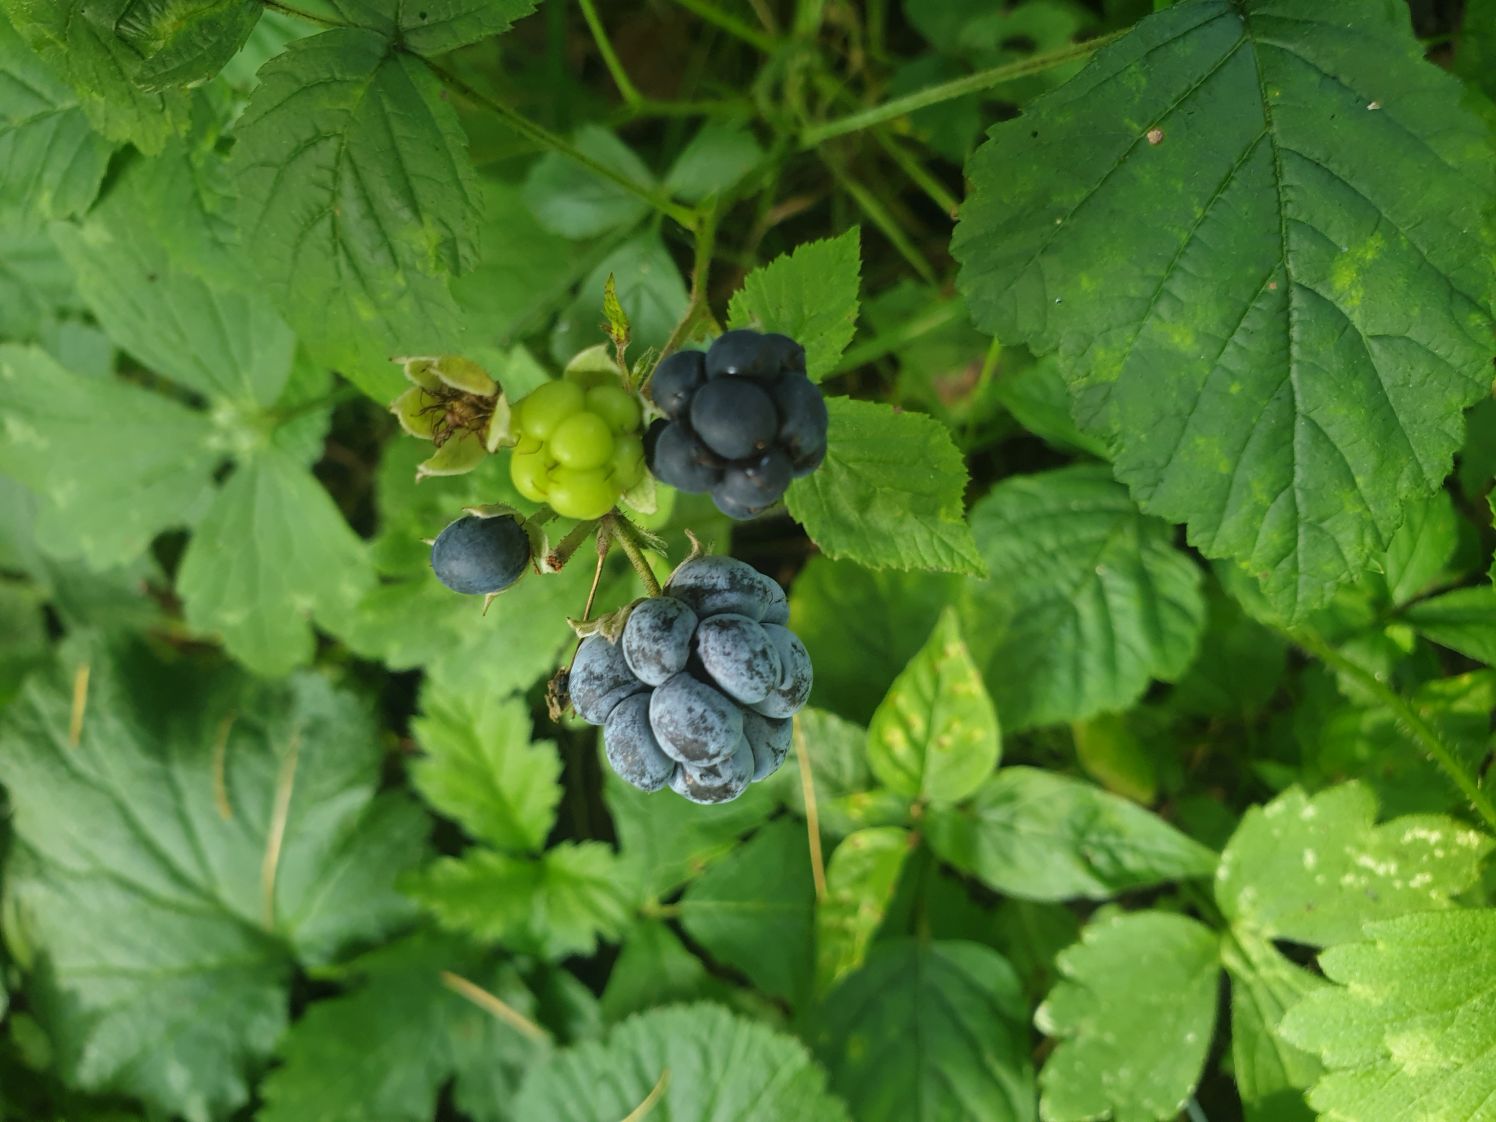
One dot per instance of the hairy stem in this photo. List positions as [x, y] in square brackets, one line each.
[628, 541]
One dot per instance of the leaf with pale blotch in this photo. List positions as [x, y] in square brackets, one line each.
[1314, 869]
[936, 734]
[1270, 1071]
[1409, 1022]
[810, 295]
[1134, 1011]
[860, 879]
[1274, 325]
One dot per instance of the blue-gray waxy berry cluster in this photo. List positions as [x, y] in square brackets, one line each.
[698, 691]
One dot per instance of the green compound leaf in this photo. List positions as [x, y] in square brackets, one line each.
[754, 910]
[273, 552]
[1086, 599]
[203, 834]
[936, 736]
[482, 769]
[555, 905]
[572, 201]
[1041, 836]
[889, 494]
[358, 202]
[53, 160]
[860, 881]
[968, 1057]
[1272, 325]
[1463, 620]
[1314, 869]
[384, 1047]
[1407, 1030]
[184, 42]
[1134, 1010]
[77, 39]
[112, 464]
[1270, 1072]
[720, 1066]
[809, 295]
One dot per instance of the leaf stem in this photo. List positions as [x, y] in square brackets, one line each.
[557, 558]
[918, 174]
[543, 137]
[1417, 729]
[80, 704]
[621, 79]
[490, 1003]
[812, 814]
[656, 1093]
[881, 218]
[730, 24]
[701, 264]
[947, 91]
[275, 837]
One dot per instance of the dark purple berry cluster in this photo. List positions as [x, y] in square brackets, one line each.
[699, 690]
[743, 420]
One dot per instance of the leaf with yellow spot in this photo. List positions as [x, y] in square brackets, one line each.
[860, 881]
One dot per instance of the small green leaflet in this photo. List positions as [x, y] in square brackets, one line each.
[1269, 1070]
[482, 769]
[553, 905]
[809, 295]
[720, 1066]
[272, 552]
[52, 157]
[36, 287]
[754, 910]
[434, 26]
[1086, 599]
[233, 829]
[184, 42]
[970, 1055]
[837, 753]
[1410, 1020]
[890, 494]
[1271, 325]
[654, 968]
[572, 201]
[860, 881]
[1421, 549]
[935, 737]
[77, 38]
[1134, 1010]
[720, 155]
[1042, 836]
[1314, 869]
[648, 287]
[358, 201]
[1463, 620]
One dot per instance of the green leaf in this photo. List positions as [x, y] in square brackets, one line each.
[717, 157]
[649, 288]
[435, 26]
[191, 310]
[553, 906]
[889, 494]
[184, 42]
[1423, 546]
[809, 295]
[935, 737]
[1410, 1020]
[358, 202]
[653, 968]
[837, 752]
[1239, 666]
[383, 1048]
[1086, 599]
[112, 464]
[1463, 620]
[53, 159]
[1271, 325]
[1475, 50]
[754, 910]
[1134, 1013]
[272, 552]
[77, 39]
[860, 880]
[232, 828]
[1036, 394]
[1270, 1072]
[720, 1066]
[35, 284]
[1041, 836]
[1314, 869]
[575, 202]
[482, 769]
[861, 627]
[968, 1058]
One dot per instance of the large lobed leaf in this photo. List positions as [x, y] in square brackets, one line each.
[1273, 324]
[198, 836]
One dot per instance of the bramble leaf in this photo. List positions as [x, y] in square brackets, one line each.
[1274, 327]
[889, 494]
[1463, 620]
[1043, 836]
[860, 880]
[1085, 599]
[1270, 1072]
[1409, 1020]
[1134, 1010]
[184, 42]
[809, 295]
[572, 201]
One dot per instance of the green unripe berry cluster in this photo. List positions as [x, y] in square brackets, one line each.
[579, 446]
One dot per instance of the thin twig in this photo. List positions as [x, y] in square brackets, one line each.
[730, 24]
[220, 769]
[490, 1003]
[812, 815]
[881, 218]
[279, 813]
[611, 60]
[946, 91]
[706, 240]
[629, 542]
[80, 705]
[651, 1099]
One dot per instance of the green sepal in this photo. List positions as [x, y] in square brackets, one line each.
[457, 456]
[413, 409]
